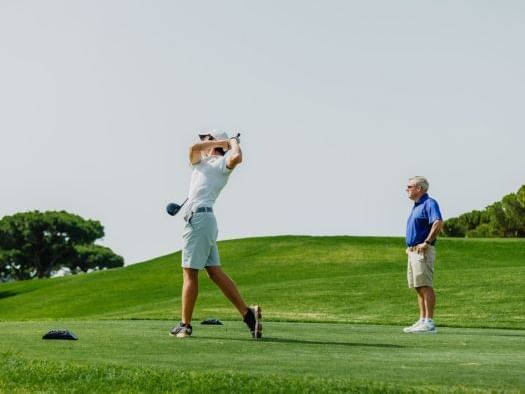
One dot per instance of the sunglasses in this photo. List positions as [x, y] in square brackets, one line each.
[210, 137]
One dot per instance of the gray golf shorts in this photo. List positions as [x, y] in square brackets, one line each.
[200, 242]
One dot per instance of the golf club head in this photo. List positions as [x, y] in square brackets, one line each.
[173, 208]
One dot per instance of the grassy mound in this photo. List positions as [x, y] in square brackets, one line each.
[297, 278]
[294, 278]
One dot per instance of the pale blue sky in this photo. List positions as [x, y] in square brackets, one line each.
[338, 103]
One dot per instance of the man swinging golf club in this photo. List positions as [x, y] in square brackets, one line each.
[212, 160]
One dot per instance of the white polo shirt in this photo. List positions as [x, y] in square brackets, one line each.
[208, 178]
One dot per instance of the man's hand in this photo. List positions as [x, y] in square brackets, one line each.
[422, 247]
[237, 138]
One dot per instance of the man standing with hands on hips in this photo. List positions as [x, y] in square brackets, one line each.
[213, 159]
[423, 226]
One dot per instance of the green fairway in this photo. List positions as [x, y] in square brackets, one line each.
[351, 356]
[334, 308]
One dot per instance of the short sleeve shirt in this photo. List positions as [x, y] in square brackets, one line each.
[208, 178]
[424, 213]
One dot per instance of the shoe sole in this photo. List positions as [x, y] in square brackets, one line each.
[180, 335]
[424, 332]
[258, 326]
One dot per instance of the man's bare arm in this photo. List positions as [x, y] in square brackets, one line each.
[235, 156]
[196, 149]
[434, 232]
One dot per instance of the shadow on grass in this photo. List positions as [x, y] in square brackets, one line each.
[306, 342]
[7, 294]
[509, 335]
[485, 332]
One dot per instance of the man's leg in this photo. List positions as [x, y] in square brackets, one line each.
[228, 287]
[427, 291]
[421, 303]
[190, 290]
[426, 300]
[429, 300]
[250, 315]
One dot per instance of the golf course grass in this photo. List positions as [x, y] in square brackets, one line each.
[343, 356]
[334, 308]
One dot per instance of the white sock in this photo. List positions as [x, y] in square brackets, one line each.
[429, 320]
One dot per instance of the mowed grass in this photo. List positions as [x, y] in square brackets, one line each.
[334, 308]
[132, 356]
[479, 283]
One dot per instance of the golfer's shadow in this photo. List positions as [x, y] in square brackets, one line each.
[307, 342]
[352, 344]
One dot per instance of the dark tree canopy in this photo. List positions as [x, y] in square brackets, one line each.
[35, 244]
[505, 218]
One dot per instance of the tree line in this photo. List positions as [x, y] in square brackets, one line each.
[505, 219]
[37, 244]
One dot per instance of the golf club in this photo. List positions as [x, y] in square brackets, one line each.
[173, 208]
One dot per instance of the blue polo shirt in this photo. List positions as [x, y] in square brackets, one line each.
[424, 213]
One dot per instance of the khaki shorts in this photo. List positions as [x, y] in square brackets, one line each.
[420, 268]
[200, 242]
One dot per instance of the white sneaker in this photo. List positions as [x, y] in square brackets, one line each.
[425, 328]
[413, 326]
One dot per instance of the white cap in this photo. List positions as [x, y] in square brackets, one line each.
[216, 134]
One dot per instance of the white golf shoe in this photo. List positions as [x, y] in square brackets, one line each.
[425, 328]
[413, 326]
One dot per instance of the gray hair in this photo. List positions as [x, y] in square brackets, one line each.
[420, 181]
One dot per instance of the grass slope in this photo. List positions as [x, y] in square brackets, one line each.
[297, 278]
